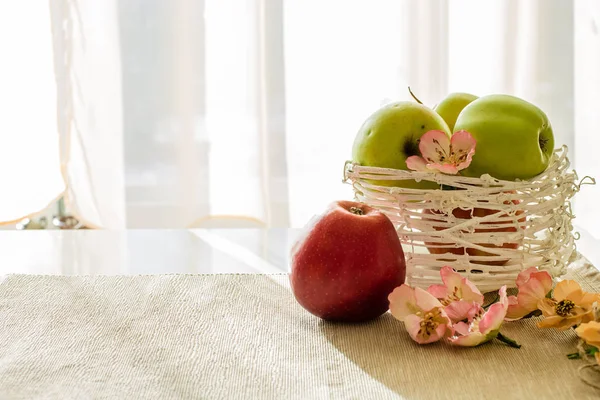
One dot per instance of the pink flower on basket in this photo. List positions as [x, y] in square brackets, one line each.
[533, 286]
[423, 315]
[483, 326]
[458, 295]
[444, 154]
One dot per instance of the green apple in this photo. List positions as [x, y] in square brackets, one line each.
[391, 135]
[452, 105]
[514, 137]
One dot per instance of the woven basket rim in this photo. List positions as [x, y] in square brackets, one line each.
[559, 164]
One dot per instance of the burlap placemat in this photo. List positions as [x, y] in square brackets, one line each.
[244, 337]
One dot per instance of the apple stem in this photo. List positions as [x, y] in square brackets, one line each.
[414, 97]
[357, 211]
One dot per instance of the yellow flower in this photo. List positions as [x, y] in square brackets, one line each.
[569, 306]
[590, 333]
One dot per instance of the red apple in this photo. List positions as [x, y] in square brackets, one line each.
[347, 263]
[468, 214]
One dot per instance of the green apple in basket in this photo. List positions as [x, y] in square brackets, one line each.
[514, 137]
[391, 135]
[452, 105]
[514, 141]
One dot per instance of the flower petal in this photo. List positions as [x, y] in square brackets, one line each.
[413, 326]
[494, 316]
[462, 328]
[435, 147]
[463, 146]
[451, 278]
[444, 168]
[438, 291]
[516, 310]
[492, 319]
[545, 279]
[470, 292]
[583, 299]
[576, 296]
[587, 299]
[565, 288]
[403, 302]
[459, 310]
[475, 312]
[426, 301]
[462, 140]
[586, 316]
[443, 330]
[590, 332]
[536, 288]
[417, 163]
[523, 276]
[559, 323]
[412, 323]
[471, 340]
[462, 165]
[546, 306]
[549, 322]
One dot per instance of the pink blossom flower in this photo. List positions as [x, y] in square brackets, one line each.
[444, 154]
[483, 325]
[533, 286]
[423, 315]
[458, 295]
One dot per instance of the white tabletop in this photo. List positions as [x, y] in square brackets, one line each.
[132, 252]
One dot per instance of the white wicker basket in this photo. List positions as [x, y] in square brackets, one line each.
[487, 229]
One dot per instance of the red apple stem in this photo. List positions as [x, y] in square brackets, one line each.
[357, 211]
[414, 97]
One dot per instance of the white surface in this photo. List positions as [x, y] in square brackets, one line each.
[101, 252]
[130, 252]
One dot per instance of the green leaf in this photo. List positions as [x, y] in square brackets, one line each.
[591, 351]
[574, 356]
[507, 340]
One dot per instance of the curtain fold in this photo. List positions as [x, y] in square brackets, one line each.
[185, 188]
[271, 109]
[90, 108]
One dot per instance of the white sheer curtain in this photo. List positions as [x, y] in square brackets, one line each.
[30, 174]
[587, 116]
[242, 112]
[175, 112]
